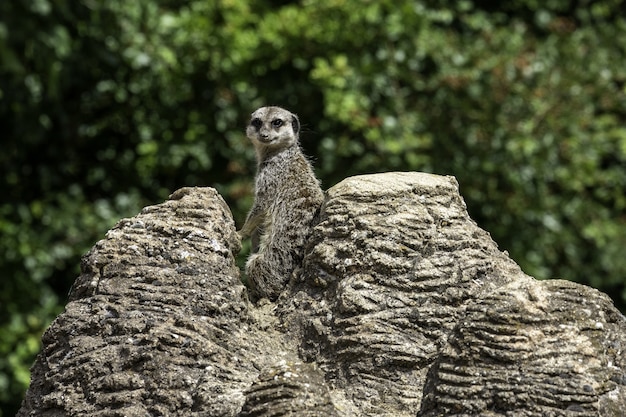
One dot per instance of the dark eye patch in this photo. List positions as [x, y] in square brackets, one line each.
[277, 123]
[256, 123]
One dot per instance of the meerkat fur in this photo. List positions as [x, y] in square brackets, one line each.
[287, 200]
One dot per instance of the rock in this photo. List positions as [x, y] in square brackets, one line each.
[403, 307]
[397, 259]
[532, 348]
[155, 323]
[289, 389]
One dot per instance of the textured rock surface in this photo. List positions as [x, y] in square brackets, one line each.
[287, 388]
[532, 349]
[403, 307]
[158, 323]
[397, 259]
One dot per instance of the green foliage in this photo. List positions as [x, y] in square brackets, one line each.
[110, 106]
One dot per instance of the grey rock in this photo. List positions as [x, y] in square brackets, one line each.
[289, 389]
[158, 323]
[531, 348]
[403, 307]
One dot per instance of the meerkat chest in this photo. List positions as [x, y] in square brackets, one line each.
[267, 184]
[274, 173]
[267, 189]
[277, 182]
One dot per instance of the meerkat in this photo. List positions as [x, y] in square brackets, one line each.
[287, 200]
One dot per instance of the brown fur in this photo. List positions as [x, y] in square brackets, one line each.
[287, 200]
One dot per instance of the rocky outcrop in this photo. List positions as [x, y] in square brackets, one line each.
[532, 348]
[403, 307]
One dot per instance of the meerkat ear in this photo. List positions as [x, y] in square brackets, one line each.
[295, 124]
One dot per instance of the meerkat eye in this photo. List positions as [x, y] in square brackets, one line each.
[277, 123]
[256, 123]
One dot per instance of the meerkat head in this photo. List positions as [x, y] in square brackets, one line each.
[273, 128]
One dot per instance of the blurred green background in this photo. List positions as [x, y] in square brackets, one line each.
[109, 106]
